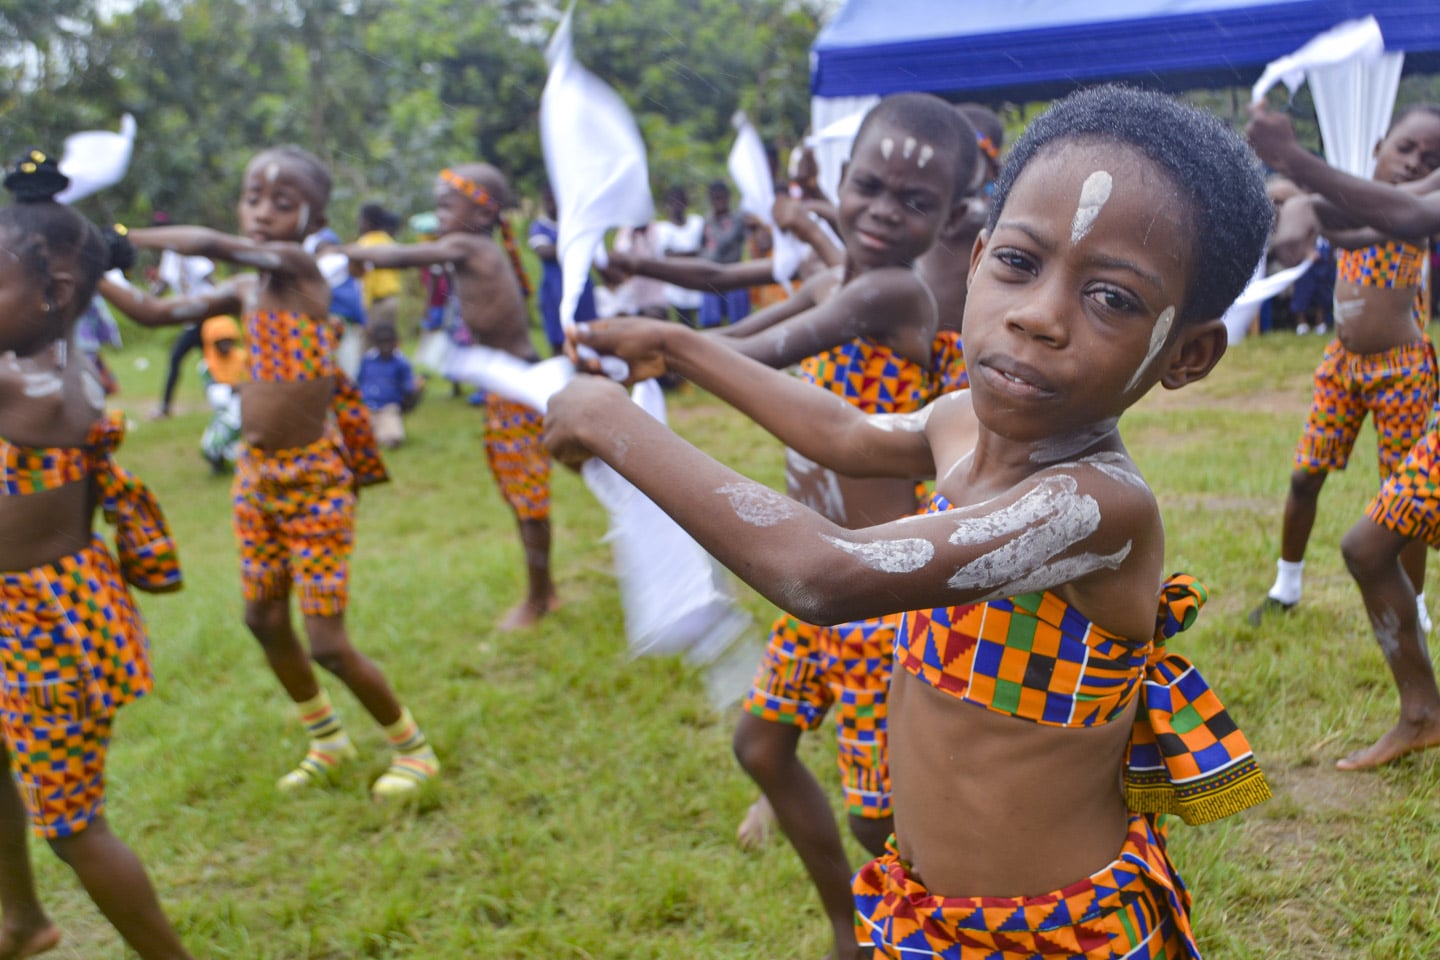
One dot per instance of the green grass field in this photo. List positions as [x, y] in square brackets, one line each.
[589, 800]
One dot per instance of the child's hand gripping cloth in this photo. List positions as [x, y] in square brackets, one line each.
[750, 169]
[143, 544]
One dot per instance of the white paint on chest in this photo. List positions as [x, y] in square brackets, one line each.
[888, 556]
[1158, 336]
[756, 505]
[1094, 192]
[41, 383]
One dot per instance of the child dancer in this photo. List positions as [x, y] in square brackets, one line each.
[72, 645]
[1380, 362]
[1406, 512]
[295, 481]
[1034, 670]
[490, 290]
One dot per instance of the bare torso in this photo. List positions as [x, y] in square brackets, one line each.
[1374, 319]
[282, 414]
[40, 528]
[491, 302]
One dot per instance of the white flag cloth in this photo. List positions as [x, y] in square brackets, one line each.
[750, 169]
[96, 159]
[596, 163]
[1354, 83]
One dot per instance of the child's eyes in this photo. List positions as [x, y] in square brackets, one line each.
[1116, 300]
[1013, 259]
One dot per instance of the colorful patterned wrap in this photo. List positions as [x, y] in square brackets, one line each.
[287, 346]
[807, 668]
[870, 376]
[295, 523]
[1389, 265]
[947, 365]
[1135, 908]
[515, 450]
[1409, 500]
[1036, 658]
[73, 650]
[148, 559]
[1398, 386]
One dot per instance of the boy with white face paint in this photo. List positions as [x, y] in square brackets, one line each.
[1035, 678]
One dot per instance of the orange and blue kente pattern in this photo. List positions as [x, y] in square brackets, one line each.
[870, 376]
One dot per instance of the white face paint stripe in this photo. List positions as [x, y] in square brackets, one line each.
[272, 170]
[926, 152]
[888, 556]
[1093, 194]
[909, 148]
[887, 147]
[1163, 323]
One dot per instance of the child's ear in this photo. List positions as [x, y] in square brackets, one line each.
[1195, 353]
[62, 289]
[976, 252]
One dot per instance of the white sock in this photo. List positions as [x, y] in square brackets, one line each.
[1287, 581]
[1422, 614]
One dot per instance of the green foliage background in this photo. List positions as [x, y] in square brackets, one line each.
[386, 91]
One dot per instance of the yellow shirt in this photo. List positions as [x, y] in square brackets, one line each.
[378, 284]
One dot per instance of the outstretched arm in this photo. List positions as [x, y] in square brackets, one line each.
[277, 257]
[1349, 201]
[810, 420]
[696, 273]
[1072, 524]
[879, 304]
[152, 311]
[447, 249]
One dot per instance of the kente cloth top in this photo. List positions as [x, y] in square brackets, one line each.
[289, 346]
[1036, 658]
[143, 543]
[947, 365]
[870, 376]
[1391, 264]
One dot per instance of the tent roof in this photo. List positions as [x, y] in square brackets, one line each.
[1035, 49]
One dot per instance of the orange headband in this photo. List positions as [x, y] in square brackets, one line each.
[466, 186]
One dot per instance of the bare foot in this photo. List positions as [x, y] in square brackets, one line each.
[16, 946]
[758, 826]
[1403, 738]
[526, 614]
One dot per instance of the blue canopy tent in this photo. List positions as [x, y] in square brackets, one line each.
[1038, 49]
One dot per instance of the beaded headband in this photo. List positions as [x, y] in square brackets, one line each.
[987, 147]
[466, 186]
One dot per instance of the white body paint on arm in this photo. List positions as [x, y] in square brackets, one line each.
[888, 556]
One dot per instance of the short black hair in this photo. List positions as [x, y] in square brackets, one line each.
[1404, 112]
[926, 115]
[312, 168]
[44, 230]
[1214, 169]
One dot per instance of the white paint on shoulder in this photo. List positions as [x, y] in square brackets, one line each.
[1117, 466]
[757, 505]
[1094, 192]
[888, 556]
[1052, 497]
[913, 422]
[1158, 336]
[1061, 571]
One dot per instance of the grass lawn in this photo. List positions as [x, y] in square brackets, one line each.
[589, 801]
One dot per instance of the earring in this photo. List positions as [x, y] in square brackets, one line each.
[46, 306]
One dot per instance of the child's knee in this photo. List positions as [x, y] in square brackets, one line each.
[1305, 485]
[268, 620]
[1368, 551]
[758, 752]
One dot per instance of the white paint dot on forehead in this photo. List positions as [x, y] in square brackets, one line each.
[909, 147]
[272, 170]
[1093, 194]
[926, 152]
[887, 147]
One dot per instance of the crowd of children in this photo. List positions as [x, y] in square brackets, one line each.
[975, 320]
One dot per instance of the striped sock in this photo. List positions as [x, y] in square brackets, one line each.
[318, 717]
[415, 761]
[405, 734]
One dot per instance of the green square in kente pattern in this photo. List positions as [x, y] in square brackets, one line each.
[1007, 696]
[1187, 719]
